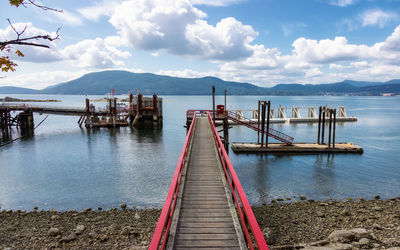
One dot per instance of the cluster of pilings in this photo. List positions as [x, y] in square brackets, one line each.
[23, 120]
[265, 108]
[141, 111]
[326, 113]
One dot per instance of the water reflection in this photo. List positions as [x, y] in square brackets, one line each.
[324, 175]
[261, 177]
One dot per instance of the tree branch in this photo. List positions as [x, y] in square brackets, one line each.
[23, 41]
[24, 3]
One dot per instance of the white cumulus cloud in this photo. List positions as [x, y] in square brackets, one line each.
[376, 17]
[217, 2]
[179, 28]
[342, 3]
[96, 53]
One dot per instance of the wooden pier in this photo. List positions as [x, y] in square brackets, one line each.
[296, 148]
[206, 206]
[207, 218]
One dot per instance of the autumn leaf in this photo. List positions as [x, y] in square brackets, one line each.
[16, 2]
[19, 53]
[6, 64]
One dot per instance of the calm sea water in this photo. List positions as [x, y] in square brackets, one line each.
[65, 167]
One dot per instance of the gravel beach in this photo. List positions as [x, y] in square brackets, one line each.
[295, 225]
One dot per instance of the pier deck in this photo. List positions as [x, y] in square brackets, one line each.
[205, 217]
[206, 206]
[300, 148]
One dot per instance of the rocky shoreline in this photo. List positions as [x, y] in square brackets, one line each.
[296, 225]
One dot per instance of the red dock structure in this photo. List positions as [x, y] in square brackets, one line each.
[206, 206]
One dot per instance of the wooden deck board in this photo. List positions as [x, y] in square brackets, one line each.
[205, 219]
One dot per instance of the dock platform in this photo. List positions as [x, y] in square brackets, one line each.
[298, 148]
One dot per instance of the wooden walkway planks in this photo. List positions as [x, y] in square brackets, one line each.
[205, 219]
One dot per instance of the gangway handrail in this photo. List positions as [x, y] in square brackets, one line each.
[246, 214]
[164, 222]
[271, 132]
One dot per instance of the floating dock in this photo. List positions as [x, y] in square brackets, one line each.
[298, 116]
[299, 148]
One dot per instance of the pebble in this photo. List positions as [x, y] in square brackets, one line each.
[35, 208]
[279, 199]
[346, 213]
[377, 197]
[54, 231]
[68, 238]
[55, 217]
[87, 210]
[123, 206]
[376, 208]
[126, 230]
[99, 208]
[137, 216]
[302, 197]
[79, 229]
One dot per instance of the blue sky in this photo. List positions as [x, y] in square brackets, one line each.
[265, 42]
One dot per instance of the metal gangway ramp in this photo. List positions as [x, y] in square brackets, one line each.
[206, 207]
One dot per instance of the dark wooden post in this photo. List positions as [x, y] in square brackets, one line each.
[155, 108]
[319, 124]
[130, 102]
[258, 122]
[263, 104]
[140, 104]
[323, 125]
[213, 100]
[334, 127]
[226, 134]
[269, 110]
[225, 100]
[330, 127]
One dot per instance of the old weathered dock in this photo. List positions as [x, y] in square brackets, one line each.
[206, 207]
[140, 110]
[299, 148]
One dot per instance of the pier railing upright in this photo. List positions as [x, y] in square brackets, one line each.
[250, 227]
[161, 232]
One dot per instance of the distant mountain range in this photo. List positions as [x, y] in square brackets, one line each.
[100, 83]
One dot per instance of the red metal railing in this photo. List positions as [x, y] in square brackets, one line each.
[164, 222]
[246, 122]
[271, 132]
[247, 219]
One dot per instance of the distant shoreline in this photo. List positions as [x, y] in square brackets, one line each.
[12, 99]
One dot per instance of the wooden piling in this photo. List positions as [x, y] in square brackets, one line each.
[330, 127]
[319, 124]
[269, 109]
[323, 125]
[155, 108]
[258, 122]
[263, 106]
[334, 127]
